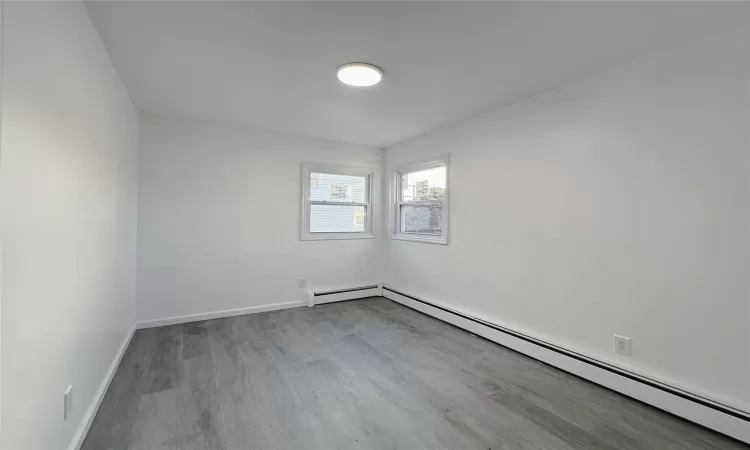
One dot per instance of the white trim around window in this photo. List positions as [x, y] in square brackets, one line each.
[338, 197]
[400, 202]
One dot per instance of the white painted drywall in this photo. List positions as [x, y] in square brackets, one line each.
[69, 198]
[618, 205]
[219, 218]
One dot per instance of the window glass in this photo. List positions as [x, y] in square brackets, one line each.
[424, 185]
[332, 187]
[422, 219]
[337, 218]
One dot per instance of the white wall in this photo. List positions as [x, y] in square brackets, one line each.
[219, 219]
[616, 205]
[68, 185]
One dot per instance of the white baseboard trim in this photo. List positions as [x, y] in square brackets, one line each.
[88, 417]
[315, 297]
[726, 420]
[217, 314]
[321, 296]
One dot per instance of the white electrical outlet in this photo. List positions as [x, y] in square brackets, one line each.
[622, 345]
[303, 282]
[68, 402]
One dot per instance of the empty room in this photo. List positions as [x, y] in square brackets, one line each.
[238, 225]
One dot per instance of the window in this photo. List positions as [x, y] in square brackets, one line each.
[421, 203]
[336, 202]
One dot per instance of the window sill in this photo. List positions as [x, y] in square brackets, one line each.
[427, 240]
[334, 237]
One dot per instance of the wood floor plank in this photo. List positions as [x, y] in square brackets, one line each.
[367, 374]
[111, 428]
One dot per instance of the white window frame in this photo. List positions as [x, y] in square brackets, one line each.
[398, 202]
[370, 173]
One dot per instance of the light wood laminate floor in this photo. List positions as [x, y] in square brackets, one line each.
[366, 374]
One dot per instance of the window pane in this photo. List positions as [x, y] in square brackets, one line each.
[337, 218]
[422, 219]
[424, 185]
[337, 188]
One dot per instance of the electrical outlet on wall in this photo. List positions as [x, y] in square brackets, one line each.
[622, 345]
[67, 402]
[303, 282]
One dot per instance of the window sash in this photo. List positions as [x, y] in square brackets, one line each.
[421, 202]
[328, 202]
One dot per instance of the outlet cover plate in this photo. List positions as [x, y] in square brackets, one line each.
[622, 345]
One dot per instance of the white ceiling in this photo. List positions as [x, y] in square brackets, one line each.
[273, 65]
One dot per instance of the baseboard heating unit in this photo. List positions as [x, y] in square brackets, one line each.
[317, 297]
[720, 417]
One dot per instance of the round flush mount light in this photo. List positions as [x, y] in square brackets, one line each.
[359, 74]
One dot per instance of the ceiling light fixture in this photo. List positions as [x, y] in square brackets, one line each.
[359, 74]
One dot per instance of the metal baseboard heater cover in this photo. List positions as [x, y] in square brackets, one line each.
[316, 297]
